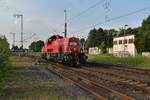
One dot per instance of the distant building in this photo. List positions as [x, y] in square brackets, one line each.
[94, 51]
[124, 46]
[147, 54]
[110, 51]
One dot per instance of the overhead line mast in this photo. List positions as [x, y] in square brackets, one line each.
[65, 11]
[21, 18]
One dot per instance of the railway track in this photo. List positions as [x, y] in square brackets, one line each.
[132, 82]
[134, 70]
[97, 90]
[90, 86]
[121, 68]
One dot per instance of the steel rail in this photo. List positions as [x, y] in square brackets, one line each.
[99, 86]
[117, 75]
[127, 82]
[94, 94]
[135, 70]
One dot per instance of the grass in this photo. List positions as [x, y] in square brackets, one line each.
[13, 63]
[20, 62]
[138, 61]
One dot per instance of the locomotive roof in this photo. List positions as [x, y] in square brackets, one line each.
[55, 36]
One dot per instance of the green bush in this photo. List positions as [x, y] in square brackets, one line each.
[4, 58]
[138, 61]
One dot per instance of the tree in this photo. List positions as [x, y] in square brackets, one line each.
[90, 39]
[36, 46]
[95, 38]
[110, 33]
[147, 42]
[102, 47]
[4, 57]
[142, 41]
[99, 36]
[4, 48]
[145, 25]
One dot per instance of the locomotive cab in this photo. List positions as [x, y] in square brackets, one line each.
[53, 38]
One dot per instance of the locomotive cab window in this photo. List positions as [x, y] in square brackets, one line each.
[73, 44]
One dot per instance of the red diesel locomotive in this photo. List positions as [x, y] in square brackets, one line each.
[64, 50]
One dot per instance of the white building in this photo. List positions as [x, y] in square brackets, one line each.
[124, 46]
[94, 51]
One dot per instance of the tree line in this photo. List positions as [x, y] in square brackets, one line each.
[103, 38]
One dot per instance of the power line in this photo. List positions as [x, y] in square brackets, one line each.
[84, 11]
[53, 29]
[115, 18]
[29, 37]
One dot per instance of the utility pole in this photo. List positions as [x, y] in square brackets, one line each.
[124, 39]
[21, 17]
[22, 31]
[65, 11]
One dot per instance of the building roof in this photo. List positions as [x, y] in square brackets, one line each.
[123, 36]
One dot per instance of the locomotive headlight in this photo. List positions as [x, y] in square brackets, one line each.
[74, 49]
[69, 50]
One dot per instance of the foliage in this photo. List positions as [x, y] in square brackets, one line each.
[142, 41]
[98, 36]
[109, 37]
[138, 61]
[4, 57]
[103, 47]
[36, 46]
[95, 38]
[128, 31]
[142, 36]
[89, 41]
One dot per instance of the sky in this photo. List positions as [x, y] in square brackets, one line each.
[46, 17]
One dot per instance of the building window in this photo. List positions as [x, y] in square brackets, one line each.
[115, 43]
[120, 41]
[131, 40]
[125, 41]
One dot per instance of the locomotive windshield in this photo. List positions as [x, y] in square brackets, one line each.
[73, 43]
